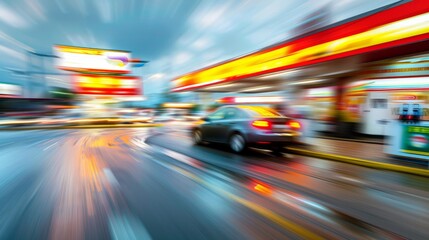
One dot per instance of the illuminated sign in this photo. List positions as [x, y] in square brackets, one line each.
[415, 140]
[107, 85]
[299, 53]
[397, 83]
[92, 60]
[10, 89]
[405, 97]
[321, 92]
[178, 105]
[242, 100]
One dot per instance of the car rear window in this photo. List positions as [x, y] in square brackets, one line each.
[261, 111]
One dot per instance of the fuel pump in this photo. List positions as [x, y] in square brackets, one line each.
[410, 113]
[409, 136]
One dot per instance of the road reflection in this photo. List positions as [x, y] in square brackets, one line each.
[111, 184]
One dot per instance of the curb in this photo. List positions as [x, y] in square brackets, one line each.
[80, 127]
[351, 140]
[361, 162]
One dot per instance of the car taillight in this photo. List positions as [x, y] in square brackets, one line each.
[294, 125]
[262, 124]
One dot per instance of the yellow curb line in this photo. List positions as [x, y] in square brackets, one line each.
[362, 162]
[81, 127]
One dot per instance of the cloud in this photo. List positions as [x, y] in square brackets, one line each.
[11, 18]
[13, 53]
[202, 43]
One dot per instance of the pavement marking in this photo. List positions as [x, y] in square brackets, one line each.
[53, 144]
[110, 177]
[181, 157]
[361, 162]
[127, 227]
[349, 179]
[413, 195]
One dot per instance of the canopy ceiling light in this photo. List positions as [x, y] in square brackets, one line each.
[222, 86]
[307, 82]
[253, 89]
[280, 74]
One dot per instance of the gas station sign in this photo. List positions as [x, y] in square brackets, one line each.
[80, 59]
[107, 85]
[10, 89]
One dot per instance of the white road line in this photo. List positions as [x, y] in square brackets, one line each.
[127, 227]
[50, 146]
[181, 157]
[110, 177]
[349, 179]
[413, 195]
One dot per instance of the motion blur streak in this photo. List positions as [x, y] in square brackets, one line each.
[262, 189]
[109, 184]
[301, 231]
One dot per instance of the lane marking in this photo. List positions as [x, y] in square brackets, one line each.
[181, 157]
[127, 227]
[349, 179]
[53, 144]
[413, 195]
[110, 177]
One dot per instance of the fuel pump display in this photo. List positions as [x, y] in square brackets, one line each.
[416, 140]
[409, 135]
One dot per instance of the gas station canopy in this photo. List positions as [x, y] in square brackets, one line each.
[397, 30]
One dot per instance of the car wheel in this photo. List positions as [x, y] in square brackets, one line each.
[197, 136]
[237, 143]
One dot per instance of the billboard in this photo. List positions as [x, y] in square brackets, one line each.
[10, 89]
[107, 85]
[80, 59]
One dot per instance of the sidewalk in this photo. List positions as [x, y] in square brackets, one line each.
[367, 151]
[359, 138]
[351, 151]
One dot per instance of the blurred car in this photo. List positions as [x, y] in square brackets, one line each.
[246, 126]
[136, 118]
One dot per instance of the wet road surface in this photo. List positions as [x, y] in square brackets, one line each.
[154, 184]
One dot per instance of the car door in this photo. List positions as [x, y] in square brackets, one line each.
[227, 125]
[210, 129]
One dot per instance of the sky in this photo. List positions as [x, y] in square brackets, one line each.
[176, 36]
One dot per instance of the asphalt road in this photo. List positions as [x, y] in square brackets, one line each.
[153, 183]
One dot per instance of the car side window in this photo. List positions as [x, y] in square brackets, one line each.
[231, 113]
[218, 115]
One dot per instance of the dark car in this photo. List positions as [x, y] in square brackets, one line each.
[243, 126]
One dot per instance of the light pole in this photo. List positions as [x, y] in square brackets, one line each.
[40, 63]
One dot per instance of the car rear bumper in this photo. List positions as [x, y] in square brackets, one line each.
[272, 138]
